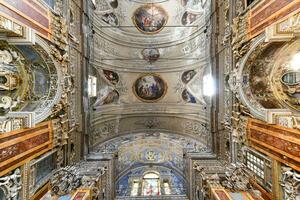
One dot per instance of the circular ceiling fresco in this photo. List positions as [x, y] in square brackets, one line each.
[150, 88]
[150, 18]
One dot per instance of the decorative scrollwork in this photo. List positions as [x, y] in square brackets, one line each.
[11, 185]
[290, 183]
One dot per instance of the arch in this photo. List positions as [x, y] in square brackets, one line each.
[31, 81]
[47, 110]
[258, 113]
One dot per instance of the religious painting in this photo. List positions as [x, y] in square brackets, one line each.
[151, 55]
[188, 76]
[113, 3]
[110, 18]
[188, 97]
[111, 76]
[111, 97]
[151, 186]
[150, 18]
[107, 95]
[188, 18]
[150, 88]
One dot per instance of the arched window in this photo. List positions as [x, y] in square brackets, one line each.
[167, 188]
[291, 78]
[151, 184]
[135, 188]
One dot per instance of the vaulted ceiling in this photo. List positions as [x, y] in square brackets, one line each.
[150, 59]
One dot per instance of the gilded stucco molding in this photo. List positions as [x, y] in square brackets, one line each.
[256, 112]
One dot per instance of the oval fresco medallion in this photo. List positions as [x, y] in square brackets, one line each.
[111, 76]
[150, 88]
[188, 76]
[188, 18]
[188, 97]
[151, 55]
[150, 18]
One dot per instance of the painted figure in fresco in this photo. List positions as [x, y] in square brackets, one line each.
[188, 18]
[150, 87]
[107, 95]
[188, 76]
[151, 55]
[111, 76]
[188, 97]
[150, 18]
[151, 187]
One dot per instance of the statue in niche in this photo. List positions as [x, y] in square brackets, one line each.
[8, 104]
[9, 75]
[9, 81]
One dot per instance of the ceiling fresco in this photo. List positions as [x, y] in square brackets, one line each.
[177, 88]
[150, 61]
[268, 80]
[150, 18]
[162, 20]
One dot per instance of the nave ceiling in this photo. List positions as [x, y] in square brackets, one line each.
[149, 99]
[150, 60]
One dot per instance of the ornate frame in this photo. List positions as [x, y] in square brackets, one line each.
[150, 101]
[145, 6]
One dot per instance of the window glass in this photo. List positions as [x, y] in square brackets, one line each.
[291, 78]
[255, 164]
[92, 86]
[167, 188]
[50, 3]
[151, 184]
[260, 165]
[135, 188]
